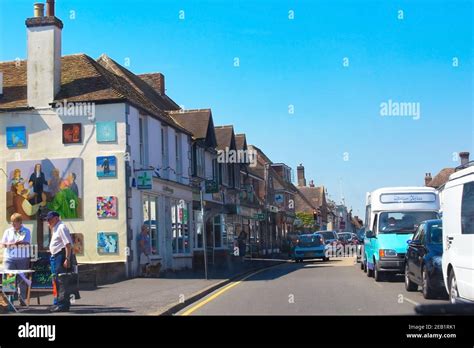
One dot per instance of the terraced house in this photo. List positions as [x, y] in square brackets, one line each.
[110, 156]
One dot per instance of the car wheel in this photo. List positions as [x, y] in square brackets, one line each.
[427, 290]
[453, 288]
[325, 259]
[378, 276]
[370, 272]
[409, 285]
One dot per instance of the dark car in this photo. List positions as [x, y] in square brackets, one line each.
[423, 260]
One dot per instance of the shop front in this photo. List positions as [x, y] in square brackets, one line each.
[166, 210]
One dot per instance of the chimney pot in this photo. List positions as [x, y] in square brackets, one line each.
[464, 156]
[38, 10]
[428, 178]
[50, 8]
[311, 183]
[301, 176]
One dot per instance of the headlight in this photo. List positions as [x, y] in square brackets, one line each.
[437, 260]
[387, 252]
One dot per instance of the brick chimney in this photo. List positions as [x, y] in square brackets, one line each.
[43, 56]
[464, 156]
[311, 183]
[428, 178]
[300, 174]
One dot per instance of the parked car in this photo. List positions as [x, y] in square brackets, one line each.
[458, 241]
[331, 240]
[309, 246]
[360, 247]
[330, 237]
[423, 260]
[345, 237]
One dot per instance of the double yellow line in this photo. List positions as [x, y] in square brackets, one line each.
[221, 291]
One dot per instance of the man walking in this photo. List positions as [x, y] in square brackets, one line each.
[16, 241]
[61, 253]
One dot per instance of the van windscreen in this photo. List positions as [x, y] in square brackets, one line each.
[403, 221]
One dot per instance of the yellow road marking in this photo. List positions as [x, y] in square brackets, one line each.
[220, 292]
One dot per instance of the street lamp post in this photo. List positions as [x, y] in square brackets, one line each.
[204, 241]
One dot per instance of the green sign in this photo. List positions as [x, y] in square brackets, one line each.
[144, 179]
[211, 186]
[259, 216]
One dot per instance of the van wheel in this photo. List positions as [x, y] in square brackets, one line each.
[370, 272]
[427, 290]
[453, 288]
[409, 285]
[378, 276]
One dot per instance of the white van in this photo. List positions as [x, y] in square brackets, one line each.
[458, 240]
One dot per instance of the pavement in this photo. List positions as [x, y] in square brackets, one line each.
[336, 287]
[153, 296]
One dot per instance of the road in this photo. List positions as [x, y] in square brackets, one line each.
[337, 287]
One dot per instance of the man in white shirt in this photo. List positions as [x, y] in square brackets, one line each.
[16, 256]
[61, 253]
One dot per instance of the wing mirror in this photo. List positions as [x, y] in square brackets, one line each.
[369, 234]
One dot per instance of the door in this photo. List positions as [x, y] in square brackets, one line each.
[412, 253]
[418, 251]
[371, 244]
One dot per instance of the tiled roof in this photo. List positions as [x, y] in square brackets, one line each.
[313, 194]
[240, 141]
[85, 80]
[441, 178]
[199, 123]
[195, 121]
[225, 137]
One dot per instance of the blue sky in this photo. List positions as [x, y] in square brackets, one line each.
[297, 62]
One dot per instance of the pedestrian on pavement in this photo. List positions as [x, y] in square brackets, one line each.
[242, 240]
[61, 258]
[144, 242]
[16, 241]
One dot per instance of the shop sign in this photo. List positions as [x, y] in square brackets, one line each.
[145, 179]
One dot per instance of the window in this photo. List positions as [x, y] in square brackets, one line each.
[217, 226]
[142, 141]
[150, 213]
[179, 166]
[225, 174]
[164, 153]
[403, 221]
[215, 174]
[467, 209]
[374, 227]
[181, 243]
[198, 235]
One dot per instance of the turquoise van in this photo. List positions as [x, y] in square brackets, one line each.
[392, 217]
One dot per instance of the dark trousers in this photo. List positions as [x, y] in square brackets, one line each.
[57, 267]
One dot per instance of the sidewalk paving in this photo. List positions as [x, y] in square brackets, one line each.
[153, 296]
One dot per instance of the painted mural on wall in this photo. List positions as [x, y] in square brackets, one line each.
[106, 166]
[106, 207]
[78, 244]
[16, 137]
[107, 243]
[51, 184]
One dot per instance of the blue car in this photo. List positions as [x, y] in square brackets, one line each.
[423, 260]
[309, 246]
